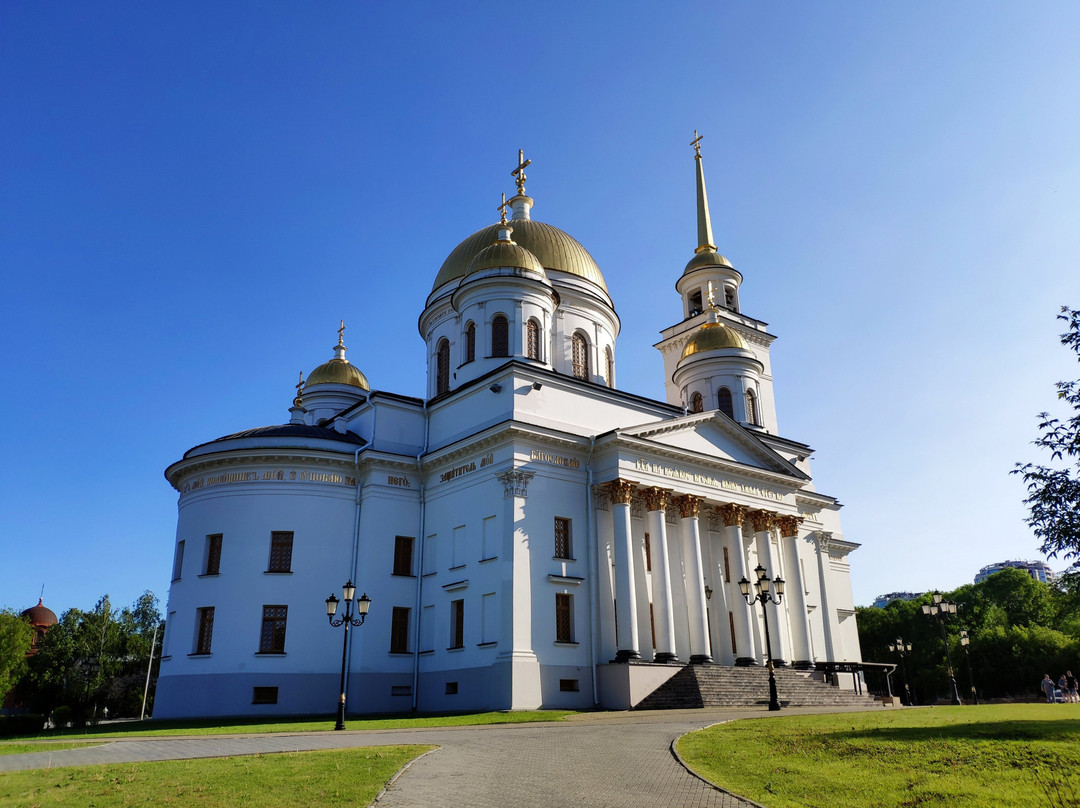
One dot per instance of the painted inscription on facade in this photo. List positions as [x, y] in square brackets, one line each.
[278, 475]
[555, 460]
[706, 479]
[466, 468]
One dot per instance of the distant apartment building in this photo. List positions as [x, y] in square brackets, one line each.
[881, 601]
[1039, 570]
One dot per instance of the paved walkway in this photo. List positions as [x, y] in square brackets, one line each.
[593, 759]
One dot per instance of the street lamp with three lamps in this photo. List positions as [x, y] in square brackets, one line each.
[763, 595]
[942, 609]
[901, 648]
[363, 603]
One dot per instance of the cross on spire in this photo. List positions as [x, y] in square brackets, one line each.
[341, 334]
[502, 210]
[519, 172]
[299, 391]
[696, 143]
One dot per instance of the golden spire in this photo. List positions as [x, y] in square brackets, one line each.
[704, 223]
[299, 400]
[502, 210]
[519, 172]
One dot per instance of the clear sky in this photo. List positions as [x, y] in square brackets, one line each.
[192, 195]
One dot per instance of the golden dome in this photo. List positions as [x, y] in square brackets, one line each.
[338, 371]
[708, 258]
[553, 248]
[712, 337]
[504, 254]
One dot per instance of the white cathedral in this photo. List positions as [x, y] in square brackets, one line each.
[529, 535]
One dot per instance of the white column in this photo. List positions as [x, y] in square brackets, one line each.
[795, 594]
[828, 616]
[744, 644]
[663, 614]
[605, 546]
[694, 579]
[621, 492]
[777, 619]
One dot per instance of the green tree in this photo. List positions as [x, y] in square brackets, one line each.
[16, 636]
[1054, 492]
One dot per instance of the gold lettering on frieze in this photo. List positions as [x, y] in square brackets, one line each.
[555, 460]
[706, 479]
[273, 475]
[399, 481]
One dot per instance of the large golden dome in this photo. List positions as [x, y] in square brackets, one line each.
[504, 254]
[337, 371]
[712, 337]
[553, 248]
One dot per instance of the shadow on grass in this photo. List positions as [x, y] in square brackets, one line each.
[1062, 729]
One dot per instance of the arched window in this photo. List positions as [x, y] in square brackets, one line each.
[532, 339]
[470, 342]
[609, 367]
[442, 367]
[694, 303]
[697, 403]
[500, 336]
[580, 356]
[729, 297]
[723, 402]
[751, 408]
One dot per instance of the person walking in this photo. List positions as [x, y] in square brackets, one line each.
[1070, 688]
[1048, 688]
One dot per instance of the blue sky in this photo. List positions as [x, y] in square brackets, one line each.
[194, 194]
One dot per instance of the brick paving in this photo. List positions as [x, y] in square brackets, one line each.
[594, 760]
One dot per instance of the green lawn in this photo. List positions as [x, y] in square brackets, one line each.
[995, 755]
[350, 777]
[238, 726]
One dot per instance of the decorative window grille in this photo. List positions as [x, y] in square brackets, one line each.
[470, 342]
[751, 408]
[500, 336]
[281, 542]
[697, 403]
[580, 357]
[563, 546]
[442, 367]
[206, 630]
[213, 554]
[609, 367]
[532, 341]
[564, 618]
[272, 636]
[723, 402]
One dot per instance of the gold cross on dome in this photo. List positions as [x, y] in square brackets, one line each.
[696, 143]
[299, 390]
[502, 209]
[519, 172]
[341, 334]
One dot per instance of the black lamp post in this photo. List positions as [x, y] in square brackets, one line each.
[363, 603]
[901, 647]
[965, 641]
[763, 595]
[942, 609]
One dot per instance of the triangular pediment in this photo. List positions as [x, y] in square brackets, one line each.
[715, 437]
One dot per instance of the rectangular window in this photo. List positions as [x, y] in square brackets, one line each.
[451, 688]
[727, 567]
[648, 554]
[399, 630]
[264, 695]
[403, 546]
[489, 619]
[280, 551]
[178, 560]
[272, 636]
[563, 548]
[400, 690]
[213, 554]
[569, 685]
[457, 555]
[206, 630]
[489, 547]
[457, 624]
[431, 554]
[564, 618]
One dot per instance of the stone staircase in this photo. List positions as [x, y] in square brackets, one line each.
[722, 686]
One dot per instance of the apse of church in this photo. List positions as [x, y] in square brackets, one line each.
[529, 534]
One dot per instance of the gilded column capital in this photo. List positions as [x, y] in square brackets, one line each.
[620, 491]
[655, 498]
[732, 514]
[762, 520]
[689, 505]
[789, 525]
[515, 482]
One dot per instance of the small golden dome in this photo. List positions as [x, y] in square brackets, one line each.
[712, 337]
[553, 248]
[708, 258]
[504, 254]
[337, 371]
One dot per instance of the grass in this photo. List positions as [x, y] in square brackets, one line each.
[336, 777]
[240, 725]
[1013, 754]
[20, 748]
